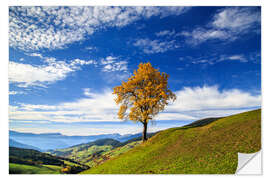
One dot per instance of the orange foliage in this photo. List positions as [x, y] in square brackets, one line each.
[66, 169]
[145, 94]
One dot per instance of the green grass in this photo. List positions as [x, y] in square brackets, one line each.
[95, 155]
[84, 156]
[207, 149]
[97, 152]
[106, 155]
[120, 150]
[33, 169]
[27, 161]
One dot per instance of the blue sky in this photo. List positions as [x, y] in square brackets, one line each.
[64, 62]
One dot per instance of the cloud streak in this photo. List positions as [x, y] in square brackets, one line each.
[52, 70]
[111, 64]
[237, 19]
[25, 75]
[201, 35]
[15, 92]
[155, 46]
[227, 24]
[253, 57]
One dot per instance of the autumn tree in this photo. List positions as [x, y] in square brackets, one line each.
[143, 96]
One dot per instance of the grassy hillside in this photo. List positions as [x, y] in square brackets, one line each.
[28, 161]
[32, 157]
[100, 158]
[96, 152]
[209, 148]
[33, 169]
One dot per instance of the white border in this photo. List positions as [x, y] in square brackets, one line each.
[4, 76]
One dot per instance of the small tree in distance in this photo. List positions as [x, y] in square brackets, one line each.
[143, 96]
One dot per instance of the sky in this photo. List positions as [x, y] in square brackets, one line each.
[64, 62]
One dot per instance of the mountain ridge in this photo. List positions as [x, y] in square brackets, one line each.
[13, 143]
[50, 141]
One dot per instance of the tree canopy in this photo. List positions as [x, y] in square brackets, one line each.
[144, 95]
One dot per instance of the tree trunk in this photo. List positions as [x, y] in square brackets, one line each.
[144, 138]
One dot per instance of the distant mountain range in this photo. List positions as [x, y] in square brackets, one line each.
[16, 144]
[49, 141]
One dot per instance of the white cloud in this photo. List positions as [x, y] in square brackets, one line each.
[227, 24]
[28, 75]
[15, 92]
[81, 62]
[30, 107]
[238, 57]
[90, 48]
[97, 107]
[200, 114]
[155, 46]
[25, 75]
[237, 18]
[174, 116]
[86, 130]
[117, 66]
[12, 92]
[87, 92]
[191, 104]
[52, 60]
[12, 108]
[200, 61]
[214, 59]
[108, 60]
[36, 55]
[200, 35]
[34, 28]
[110, 64]
[52, 70]
[209, 98]
[165, 33]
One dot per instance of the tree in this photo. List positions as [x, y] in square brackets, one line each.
[66, 169]
[143, 96]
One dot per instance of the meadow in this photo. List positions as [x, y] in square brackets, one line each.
[205, 149]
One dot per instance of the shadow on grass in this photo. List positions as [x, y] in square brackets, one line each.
[200, 123]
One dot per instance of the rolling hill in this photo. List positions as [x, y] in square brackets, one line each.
[84, 153]
[97, 152]
[201, 148]
[28, 161]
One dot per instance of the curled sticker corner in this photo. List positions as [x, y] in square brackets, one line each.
[249, 163]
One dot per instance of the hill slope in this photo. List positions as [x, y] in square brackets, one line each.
[97, 152]
[28, 161]
[31, 169]
[84, 153]
[208, 149]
